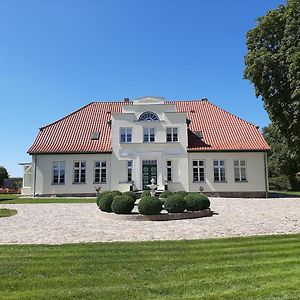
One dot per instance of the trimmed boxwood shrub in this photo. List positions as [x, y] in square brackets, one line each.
[146, 193]
[101, 195]
[117, 193]
[130, 194]
[149, 206]
[165, 194]
[181, 193]
[105, 201]
[196, 201]
[122, 205]
[175, 204]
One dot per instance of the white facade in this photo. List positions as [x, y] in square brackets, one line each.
[140, 151]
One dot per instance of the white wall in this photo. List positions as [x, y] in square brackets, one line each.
[44, 173]
[255, 172]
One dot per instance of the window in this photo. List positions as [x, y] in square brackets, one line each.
[148, 116]
[58, 172]
[240, 170]
[125, 135]
[169, 170]
[149, 135]
[198, 170]
[100, 171]
[219, 170]
[172, 134]
[27, 176]
[129, 170]
[79, 171]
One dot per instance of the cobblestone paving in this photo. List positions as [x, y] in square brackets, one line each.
[73, 223]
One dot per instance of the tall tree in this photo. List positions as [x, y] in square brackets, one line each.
[3, 175]
[273, 66]
[282, 164]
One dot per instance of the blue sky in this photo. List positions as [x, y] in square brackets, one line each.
[58, 55]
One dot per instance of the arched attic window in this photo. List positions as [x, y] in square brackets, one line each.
[148, 116]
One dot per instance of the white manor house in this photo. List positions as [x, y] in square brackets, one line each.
[184, 145]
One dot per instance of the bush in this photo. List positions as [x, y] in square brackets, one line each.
[149, 206]
[101, 195]
[175, 204]
[196, 201]
[181, 193]
[165, 194]
[122, 205]
[146, 193]
[117, 193]
[280, 183]
[105, 201]
[130, 194]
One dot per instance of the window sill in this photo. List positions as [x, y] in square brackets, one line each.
[241, 181]
[57, 183]
[99, 182]
[199, 181]
[225, 181]
[79, 182]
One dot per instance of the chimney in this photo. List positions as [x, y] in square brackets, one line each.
[126, 100]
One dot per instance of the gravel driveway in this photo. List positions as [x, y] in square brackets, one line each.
[73, 223]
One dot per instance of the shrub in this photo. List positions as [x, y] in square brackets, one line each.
[181, 193]
[116, 193]
[196, 202]
[175, 204]
[101, 195]
[130, 194]
[122, 205]
[105, 201]
[165, 194]
[280, 183]
[146, 193]
[149, 206]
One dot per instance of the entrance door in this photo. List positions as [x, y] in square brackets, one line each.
[149, 172]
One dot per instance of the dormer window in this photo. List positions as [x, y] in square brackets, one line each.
[148, 116]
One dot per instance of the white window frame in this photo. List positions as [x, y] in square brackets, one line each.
[80, 171]
[28, 174]
[102, 166]
[238, 167]
[198, 167]
[220, 167]
[147, 133]
[170, 169]
[173, 134]
[129, 170]
[127, 135]
[61, 168]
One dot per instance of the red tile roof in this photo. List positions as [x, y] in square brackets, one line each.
[221, 130]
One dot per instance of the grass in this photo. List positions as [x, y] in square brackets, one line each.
[265, 267]
[5, 212]
[286, 193]
[15, 199]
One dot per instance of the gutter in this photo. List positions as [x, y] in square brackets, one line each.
[34, 178]
[266, 173]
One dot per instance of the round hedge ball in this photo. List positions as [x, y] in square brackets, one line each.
[105, 201]
[101, 195]
[130, 194]
[122, 205]
[175, 204]
[165, 194]
[146, 193]
[181, 193]
[149, 206]
[194, 202]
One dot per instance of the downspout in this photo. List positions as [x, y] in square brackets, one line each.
[266, 173]
[34, 177]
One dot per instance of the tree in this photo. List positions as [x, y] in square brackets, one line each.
[3, 175]
[273, 66]
[282, 163]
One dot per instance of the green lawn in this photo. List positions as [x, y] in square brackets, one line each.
[286, 193]
[16, 200]
[236, 268]
[4, 212]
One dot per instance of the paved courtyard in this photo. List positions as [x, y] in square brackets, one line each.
[73, 223]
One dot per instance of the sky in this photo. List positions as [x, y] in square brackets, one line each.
[59, 55]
